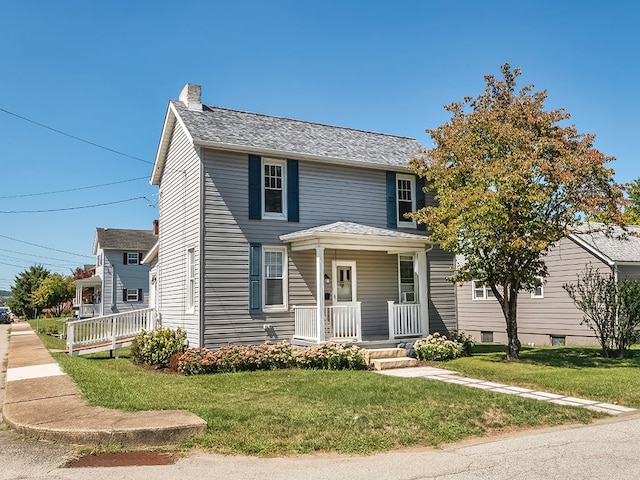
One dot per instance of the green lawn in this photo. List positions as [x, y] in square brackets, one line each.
[575, 371]
[302, 411]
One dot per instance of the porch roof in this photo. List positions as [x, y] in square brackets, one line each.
[354, 236]
[94, 281]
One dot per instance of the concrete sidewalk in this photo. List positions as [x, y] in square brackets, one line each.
[41, 401]
[449, 376]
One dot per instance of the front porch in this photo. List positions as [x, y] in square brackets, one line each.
[362, 274]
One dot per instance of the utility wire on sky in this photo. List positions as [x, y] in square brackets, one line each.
[74, 137]
[75, 208]
[46, 248]
[74, 189]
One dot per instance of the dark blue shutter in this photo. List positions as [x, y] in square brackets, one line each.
[255, 187]
[125, 258]
[124, 294]
[293, 192]
[140, 296]
[392, 214]
[420, 200]
[255, 267]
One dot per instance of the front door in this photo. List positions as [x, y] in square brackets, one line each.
[344, 282]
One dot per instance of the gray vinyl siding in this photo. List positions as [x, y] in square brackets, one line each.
[179, 231]
[328, 193]
[538, 318]
[118, 276]
[442, 292]
[629, 272]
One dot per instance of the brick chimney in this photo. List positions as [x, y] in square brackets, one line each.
[156, 227]
[191, 96]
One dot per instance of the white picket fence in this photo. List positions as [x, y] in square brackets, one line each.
[109, 332]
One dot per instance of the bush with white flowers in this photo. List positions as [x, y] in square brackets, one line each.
[437, 347]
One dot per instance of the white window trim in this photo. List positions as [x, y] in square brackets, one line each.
[137, 299]
[191, 280]
[401, 221]
[130, 256]
[285, 279]
[485, 290]
[415, 283]
[283, 165]
[533, 294]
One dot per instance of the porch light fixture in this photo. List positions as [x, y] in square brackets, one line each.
[327, 278]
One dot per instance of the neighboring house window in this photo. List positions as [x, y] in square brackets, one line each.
[481, 291]
[132, 258]
[274, 278]
[406, 274]
[405, 199]
[538, 292]
[191, 279]
[274, 193]
[132, 295]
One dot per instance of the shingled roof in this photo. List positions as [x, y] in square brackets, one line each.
[247, 132]
[617, 245]
[123, 239]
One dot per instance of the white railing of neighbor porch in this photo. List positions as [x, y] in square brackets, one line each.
[404, 320]
[107, 331]
[343, 322]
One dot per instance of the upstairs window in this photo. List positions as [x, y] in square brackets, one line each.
[405, 188]
[274, 188]
[132, 258]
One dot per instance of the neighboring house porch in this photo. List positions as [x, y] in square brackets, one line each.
[88, 297]
[365, 283]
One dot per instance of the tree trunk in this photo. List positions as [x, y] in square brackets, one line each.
[509, 309]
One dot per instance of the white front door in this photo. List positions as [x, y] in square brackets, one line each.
[344, 284]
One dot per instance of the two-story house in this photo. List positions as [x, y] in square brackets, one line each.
[280, 229]
[121, 281]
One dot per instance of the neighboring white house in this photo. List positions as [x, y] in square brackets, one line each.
[121, 281]
[273, 228]
[548, 316]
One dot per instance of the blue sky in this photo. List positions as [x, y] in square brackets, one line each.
[104, 72]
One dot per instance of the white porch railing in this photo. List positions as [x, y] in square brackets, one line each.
[107, 333]
[343, 322]
[404, 320]
[88, 310]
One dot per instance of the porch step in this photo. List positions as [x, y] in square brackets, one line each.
[386, 353]
[395, 362]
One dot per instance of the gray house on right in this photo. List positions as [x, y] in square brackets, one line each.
[548, 316]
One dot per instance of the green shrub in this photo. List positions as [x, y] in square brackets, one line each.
[467, 342]
[156, 347]
[238, 358]
[437, 347]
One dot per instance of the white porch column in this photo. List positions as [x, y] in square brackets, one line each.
[320, 292]
[420, 267]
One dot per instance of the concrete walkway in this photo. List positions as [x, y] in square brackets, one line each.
[40, 400]
[449, 376]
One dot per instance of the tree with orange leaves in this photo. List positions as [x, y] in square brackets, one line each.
[510, 181]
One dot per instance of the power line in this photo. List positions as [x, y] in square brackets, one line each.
[76, 138]
[74, 189]
[73, 208]
[32, 255]
[10, 258]
[46, 248]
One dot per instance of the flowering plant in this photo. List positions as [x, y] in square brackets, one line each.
[437, 347]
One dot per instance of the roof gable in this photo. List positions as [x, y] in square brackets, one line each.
[618, 245]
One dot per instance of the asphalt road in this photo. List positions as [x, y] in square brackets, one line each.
[603, 450]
